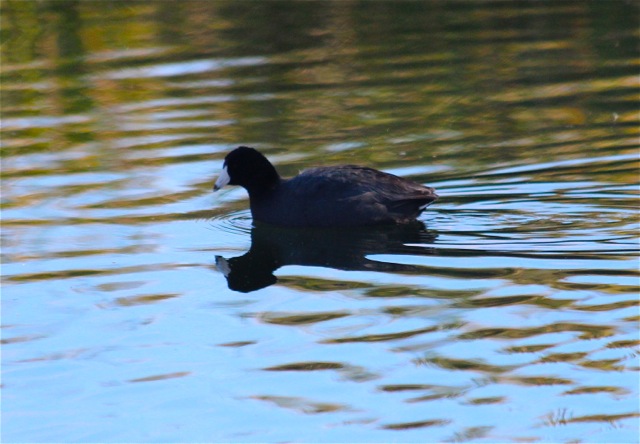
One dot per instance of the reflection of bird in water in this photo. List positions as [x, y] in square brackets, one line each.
[345, 249]
[330, 196]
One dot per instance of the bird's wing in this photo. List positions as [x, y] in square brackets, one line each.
[348, 181]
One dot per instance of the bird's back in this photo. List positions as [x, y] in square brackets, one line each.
[344, 195]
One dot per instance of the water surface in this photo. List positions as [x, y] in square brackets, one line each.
[138, 306]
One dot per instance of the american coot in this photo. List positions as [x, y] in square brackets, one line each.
[332, 196]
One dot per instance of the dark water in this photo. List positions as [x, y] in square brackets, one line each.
[509, 315]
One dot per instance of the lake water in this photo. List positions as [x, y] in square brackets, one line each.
[138, 306]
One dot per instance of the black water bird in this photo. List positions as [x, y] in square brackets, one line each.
[333, 196]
